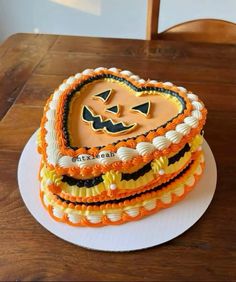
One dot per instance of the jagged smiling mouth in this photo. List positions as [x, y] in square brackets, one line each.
[107, 125]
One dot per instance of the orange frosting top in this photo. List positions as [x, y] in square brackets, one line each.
[162, 109]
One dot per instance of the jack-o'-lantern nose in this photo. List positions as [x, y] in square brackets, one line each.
[107, 109]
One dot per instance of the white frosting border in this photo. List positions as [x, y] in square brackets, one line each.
[54, 156]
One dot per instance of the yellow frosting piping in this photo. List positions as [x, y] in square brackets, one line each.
[114, 177]
[196, 142]
[160, 195]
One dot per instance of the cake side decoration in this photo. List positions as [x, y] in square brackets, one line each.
[101, 165]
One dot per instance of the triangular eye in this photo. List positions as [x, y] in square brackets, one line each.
[104, 96]
[114, 110]
[143, 108]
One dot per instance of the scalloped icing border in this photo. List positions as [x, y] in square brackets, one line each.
[138, 212]
[108, 194]
[130, 144]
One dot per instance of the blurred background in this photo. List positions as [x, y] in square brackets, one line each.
[103, 18]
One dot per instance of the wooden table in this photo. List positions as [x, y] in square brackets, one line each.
[31, 66]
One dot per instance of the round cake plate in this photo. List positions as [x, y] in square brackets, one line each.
[150, 231]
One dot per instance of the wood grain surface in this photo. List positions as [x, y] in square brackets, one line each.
[31, 66]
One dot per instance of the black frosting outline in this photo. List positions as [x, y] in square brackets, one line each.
[82, 182]
[128, 83]
[135, 175]
[179, 155]
[116, 201]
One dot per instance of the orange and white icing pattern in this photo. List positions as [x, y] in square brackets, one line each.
[169, 155]
[128, 153]
[113, 186]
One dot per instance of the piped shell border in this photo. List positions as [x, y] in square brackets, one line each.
[126, 153]
[133, 213]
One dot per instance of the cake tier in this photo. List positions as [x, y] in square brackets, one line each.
[117, 185]
[136, 121]
[127, 209]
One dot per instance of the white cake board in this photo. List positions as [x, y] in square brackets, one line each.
[147, 232]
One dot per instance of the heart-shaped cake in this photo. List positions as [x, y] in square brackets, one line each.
[116, 148]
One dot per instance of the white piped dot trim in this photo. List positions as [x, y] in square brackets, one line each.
[135, 77]
[113, 186]
[87, 71]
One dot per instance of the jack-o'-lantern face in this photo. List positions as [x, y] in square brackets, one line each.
[105, 111]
